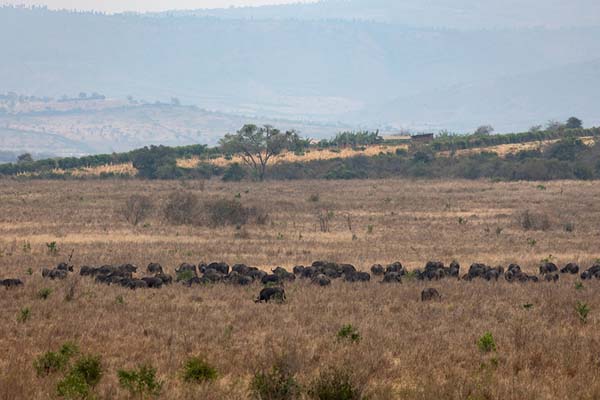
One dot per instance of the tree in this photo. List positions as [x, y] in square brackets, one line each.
[257, 145]
[24, 158]
[484, 130]
[574, 123]
[155, 162]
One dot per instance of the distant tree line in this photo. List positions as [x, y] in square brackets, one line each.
[352, 139]
[257, 146]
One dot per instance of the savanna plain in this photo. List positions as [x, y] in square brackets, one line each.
[539, 346]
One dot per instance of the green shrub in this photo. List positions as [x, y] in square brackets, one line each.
[348, 332]
[73, 386]
[582, 310]
[277, 384]
[44, 293]
[89, 368]
[140, 382]
[335, 384]
[486, 343]
[184, 276]
[234, 173]
[49, 362]
[196, 370]
[24, 315]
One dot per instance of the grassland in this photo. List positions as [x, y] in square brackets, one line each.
[409, 349]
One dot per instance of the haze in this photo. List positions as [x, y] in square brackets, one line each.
[112, 6]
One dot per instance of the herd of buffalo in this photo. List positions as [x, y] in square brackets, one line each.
[320, 273]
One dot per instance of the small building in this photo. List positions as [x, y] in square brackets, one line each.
[422, 138]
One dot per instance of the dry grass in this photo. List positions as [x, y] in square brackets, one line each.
[409, 349]
[505, 149]
[310, 155]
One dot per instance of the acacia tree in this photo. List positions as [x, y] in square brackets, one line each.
[257, 145]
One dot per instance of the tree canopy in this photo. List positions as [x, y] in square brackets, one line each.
[257, 145]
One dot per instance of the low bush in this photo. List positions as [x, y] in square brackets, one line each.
[140, 382]
[197, 370]
[234, 173]
[276, 384]
[348, 332]
[486, 343]
[335, 384]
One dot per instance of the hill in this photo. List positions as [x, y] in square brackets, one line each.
[455, 14]
[77, 127]
[311, 68]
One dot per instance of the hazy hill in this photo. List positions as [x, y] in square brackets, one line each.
[84, 127]
[508, 103]
[408, 64]
[457, 14]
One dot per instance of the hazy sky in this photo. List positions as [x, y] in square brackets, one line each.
[142, 5]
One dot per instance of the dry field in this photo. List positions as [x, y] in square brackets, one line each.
[409, 349]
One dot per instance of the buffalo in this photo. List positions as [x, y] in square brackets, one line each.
[377, 270]
[430, 294]
[11, 283]
[570, 268]
[271, 293]
[154, 268]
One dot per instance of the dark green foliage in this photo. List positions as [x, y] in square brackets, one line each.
[140, 382]
[51, 362]
[44, 293]
[486, 343]
[566, 149]
[73, 386]
[234, 173]
[81, 378]
[574, 123]
[352, 139]
[276, 384]
[156, 162]
[197, 370]
[335, 384]
[89, 368]
[348, 332]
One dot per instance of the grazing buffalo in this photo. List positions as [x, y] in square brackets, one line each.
[154, 268]
[298, 269]
[64, 267]
[396, 267]
[321, 280]
[570, 268]
[54, 273]
[392, 277]
[551, 277]
[284, 274]
[154, 283]
[377, 270]
[10, 283]
[220, 267]
[357, 277]
[239, 279]
[241, 269]
[548, 268]
[271, 293]
[430, 294]
[166, 279]
[275, 279]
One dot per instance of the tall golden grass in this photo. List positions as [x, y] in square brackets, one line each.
[409, 349]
